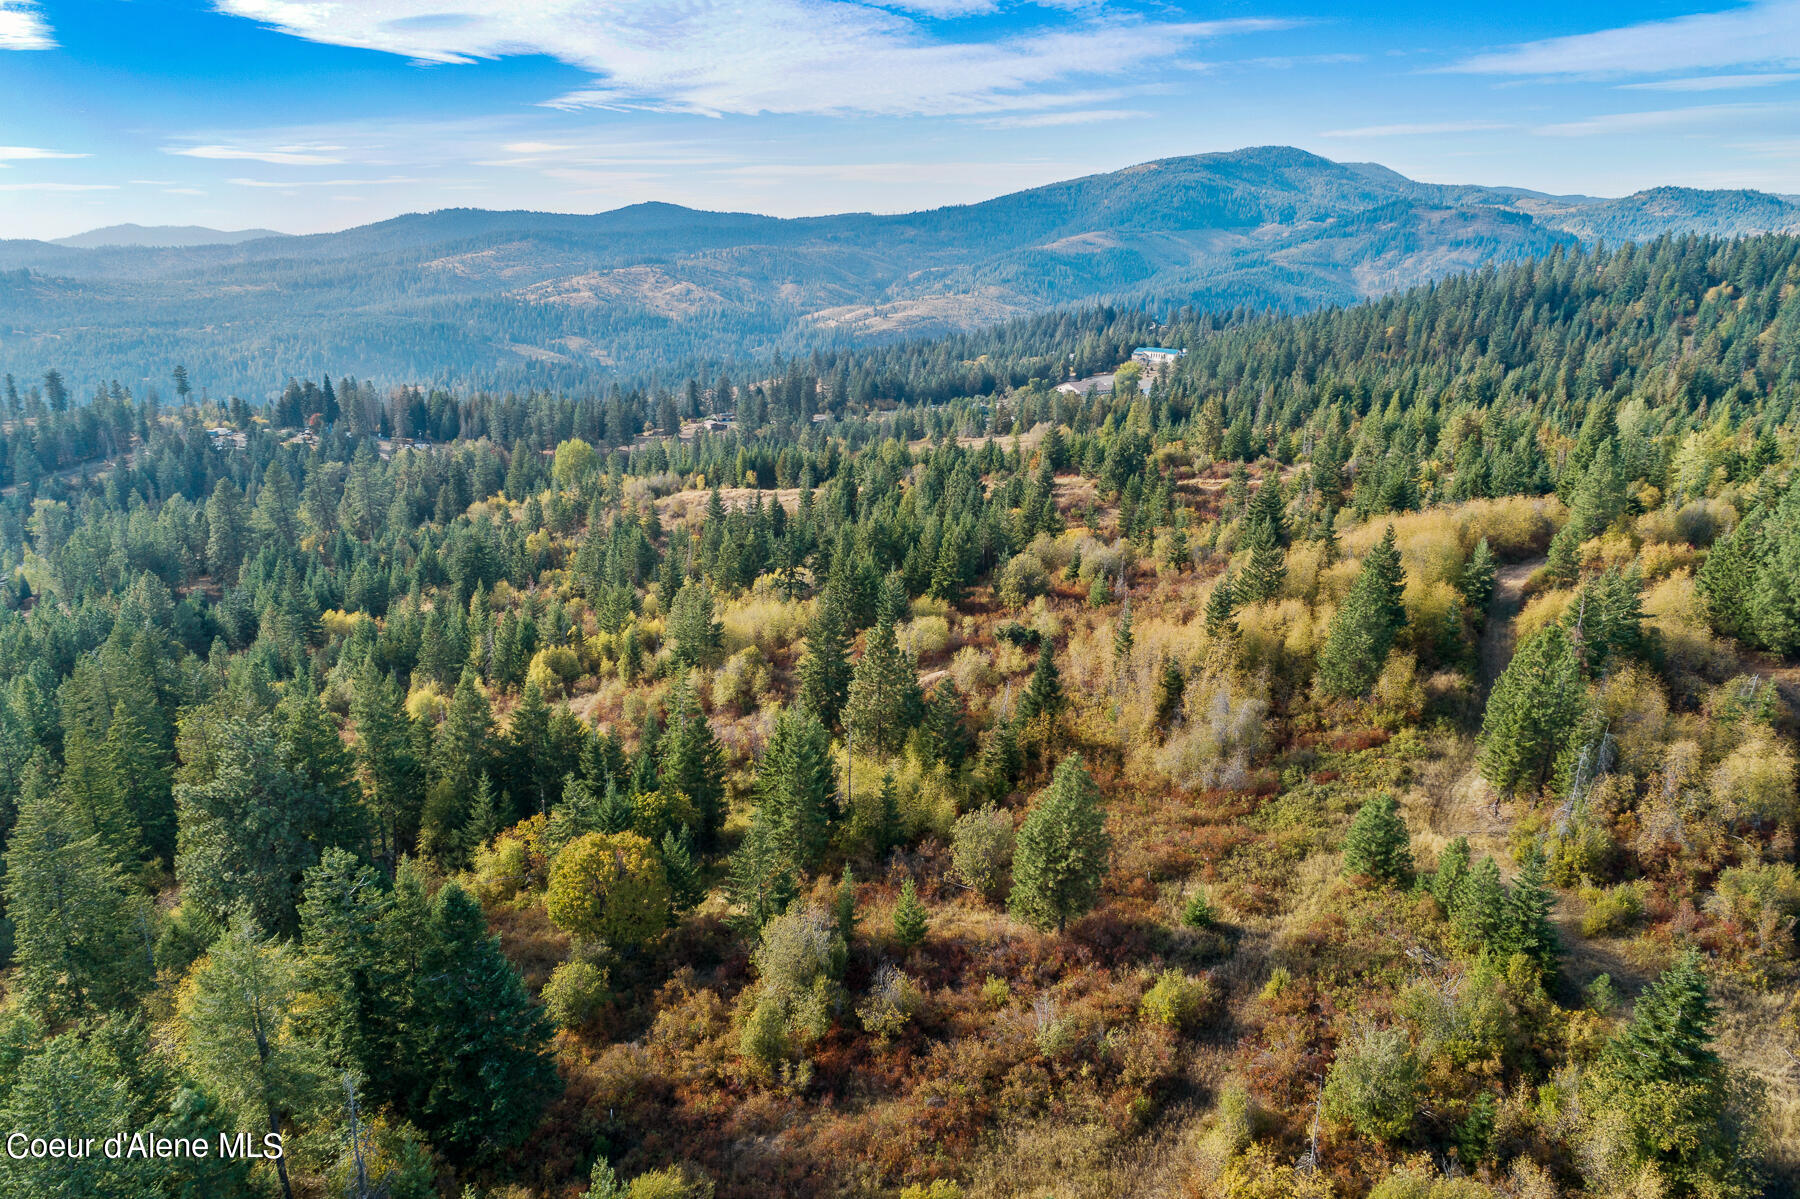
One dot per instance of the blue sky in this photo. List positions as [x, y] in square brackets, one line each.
[307, 115]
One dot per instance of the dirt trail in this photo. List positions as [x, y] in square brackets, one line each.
[1462, 804]
[1503, 608]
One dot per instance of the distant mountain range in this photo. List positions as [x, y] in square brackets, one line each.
[161, 235]
[518, 299]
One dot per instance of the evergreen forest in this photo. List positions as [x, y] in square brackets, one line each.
[1355, 760]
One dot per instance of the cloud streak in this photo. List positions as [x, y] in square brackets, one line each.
[1713, 83]
[1421, 129]
[714, 58]
[32, 153]
[22, 27]
[1764, 32]
[1701, 116]
[304, 156]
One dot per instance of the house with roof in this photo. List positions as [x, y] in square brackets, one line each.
[1156, 357]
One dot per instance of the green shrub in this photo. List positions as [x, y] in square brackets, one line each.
[1374, 1084]
[1175, 1000]
[575, 993]
[1611, 910]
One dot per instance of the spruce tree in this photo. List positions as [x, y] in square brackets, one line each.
[764, 876]
[1378, 845]
[844, 905]
[1528, 927]
[910, 919]
[695, 636]
[1531, 712]
[1452, 865]
[1060, 854]
[81, 930]
[1171, 688]
[1365, 625]
[825, 669]
[480, 1045]
[1044, 694]
[1478, 912]
[682, 869]
[343, 967]
[795, 780]
[1663, 1076]
[692, 762]
[236, 1018]
[1477, 580]
[1122, 639]
[1001, 761]
[884, 690]
[385, 761]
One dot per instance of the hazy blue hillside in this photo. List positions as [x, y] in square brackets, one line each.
[529, 298]
[161, 235]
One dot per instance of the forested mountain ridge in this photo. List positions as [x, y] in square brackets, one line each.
[160, 235]
[515, 299]
[984, 790]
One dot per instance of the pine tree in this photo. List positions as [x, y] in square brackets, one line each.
[825, 670]
[692, 762]
[884, 691]
[1378, 845]
[1263, 576]
[1477, 581]
[910, 919]
[1528, 927]
[237, 1035]
[795, 780]
[1663, 1077]
[1044, 694]
[479, 1045]
[695, 637]
[1364, 627]
[1452, 865]
[1001, 761]
[1060, 855]
[682, 868]
[1531, 712]
[764, 877]
[1122, 639]
[1478, 912]
[81, 931]
[844, 905]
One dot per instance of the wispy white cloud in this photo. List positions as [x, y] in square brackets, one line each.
[1700, 116]
[58, 187]
[1419, 129]
[716, 57]
[23, 153]
[1713, 83]
[22, 27]
[304, 156]
[287, 183]
[1048, 120]
[1767, 31]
